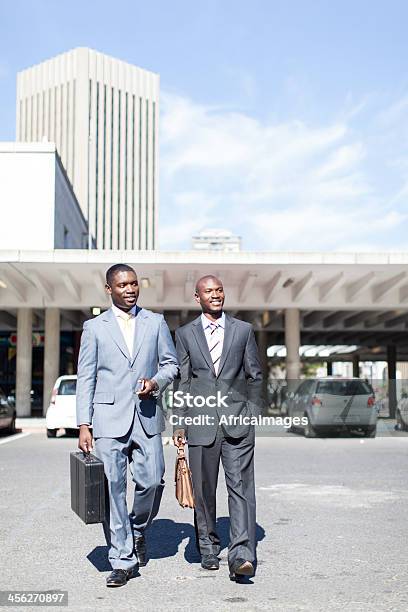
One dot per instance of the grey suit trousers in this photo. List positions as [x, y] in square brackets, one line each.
[145, 456]
[237, 456]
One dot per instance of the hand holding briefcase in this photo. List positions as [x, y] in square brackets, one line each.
[87, 487]
[184, 485]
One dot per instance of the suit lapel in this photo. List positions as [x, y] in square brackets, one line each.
[229, 333]
[141, 323]
[202, 342]
[115, 332]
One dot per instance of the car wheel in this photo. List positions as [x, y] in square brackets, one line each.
[52, 433]
[371, 432]
[309, 431]
[401, 426]
[12, 427]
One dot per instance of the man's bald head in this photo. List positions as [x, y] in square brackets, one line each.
[204, 279]
[209, 294]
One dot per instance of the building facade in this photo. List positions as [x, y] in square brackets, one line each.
[216, 240]
[103, 115]
[39, 210]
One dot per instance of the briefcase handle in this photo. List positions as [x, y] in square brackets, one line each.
[88, 457]
[180, 451]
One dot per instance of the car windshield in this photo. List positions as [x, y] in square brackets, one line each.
[344, 387]
[67, 387]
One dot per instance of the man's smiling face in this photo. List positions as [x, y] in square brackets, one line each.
[210, 295]
[124, 289]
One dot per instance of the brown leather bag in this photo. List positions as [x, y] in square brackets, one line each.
[184, 485]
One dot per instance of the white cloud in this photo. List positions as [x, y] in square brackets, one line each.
[394, 112]
[193, 213]
[343, 159]
[281, 185]
[317, 228]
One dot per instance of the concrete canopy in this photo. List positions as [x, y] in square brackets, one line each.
[313, 299]
[359, 298]
[353, 282]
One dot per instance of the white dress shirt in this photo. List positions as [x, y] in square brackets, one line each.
[126, 322]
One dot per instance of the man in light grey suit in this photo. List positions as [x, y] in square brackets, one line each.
[127, 359]
[219, 362]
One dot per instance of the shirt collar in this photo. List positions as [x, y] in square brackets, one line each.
[206, 322]
[119, 313]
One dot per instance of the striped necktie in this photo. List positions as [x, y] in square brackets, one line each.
[214, 345]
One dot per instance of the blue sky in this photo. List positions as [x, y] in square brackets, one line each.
[283, 121]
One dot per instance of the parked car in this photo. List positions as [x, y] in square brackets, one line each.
[402, 413]
[61, 412]
[7, 414]
[333, 404]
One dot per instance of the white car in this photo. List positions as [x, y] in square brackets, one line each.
[61, 412]
[335, 404]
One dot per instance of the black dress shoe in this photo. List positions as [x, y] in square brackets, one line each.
[140, 550]
[118, 577]
[210, 562]
[240, 567]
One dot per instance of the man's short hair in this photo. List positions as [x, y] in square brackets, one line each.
[117, 268]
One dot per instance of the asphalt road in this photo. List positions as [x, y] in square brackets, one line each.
[332, 517]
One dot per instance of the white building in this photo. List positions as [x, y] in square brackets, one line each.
[216, 240]
[103, 115]
[39, 210]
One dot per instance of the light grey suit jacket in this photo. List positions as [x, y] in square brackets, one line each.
[239, 378]
[108, 375]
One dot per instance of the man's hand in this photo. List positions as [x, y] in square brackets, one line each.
[179, 437]
[147, 388]
[85, 442]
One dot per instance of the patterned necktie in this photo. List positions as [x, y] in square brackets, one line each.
[214, 345]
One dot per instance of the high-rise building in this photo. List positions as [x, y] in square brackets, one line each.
[103, 115]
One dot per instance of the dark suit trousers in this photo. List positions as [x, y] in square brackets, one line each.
[237, 456]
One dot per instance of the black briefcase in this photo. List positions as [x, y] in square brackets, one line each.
[87, 487]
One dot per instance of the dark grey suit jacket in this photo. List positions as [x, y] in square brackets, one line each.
[239, 379]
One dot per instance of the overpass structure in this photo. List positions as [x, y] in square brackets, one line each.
[324, 301]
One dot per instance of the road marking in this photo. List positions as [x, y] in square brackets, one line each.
[15, 437]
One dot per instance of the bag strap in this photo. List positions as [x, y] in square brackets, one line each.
[180, 451]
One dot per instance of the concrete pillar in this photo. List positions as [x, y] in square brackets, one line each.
[356, 366]
[77, 344]
[24, 359]
[262, 341]
[292, 341]
[392, 379]
[51, 353]
[329, 366]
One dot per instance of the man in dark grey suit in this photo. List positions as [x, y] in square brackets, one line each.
[219, 390]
